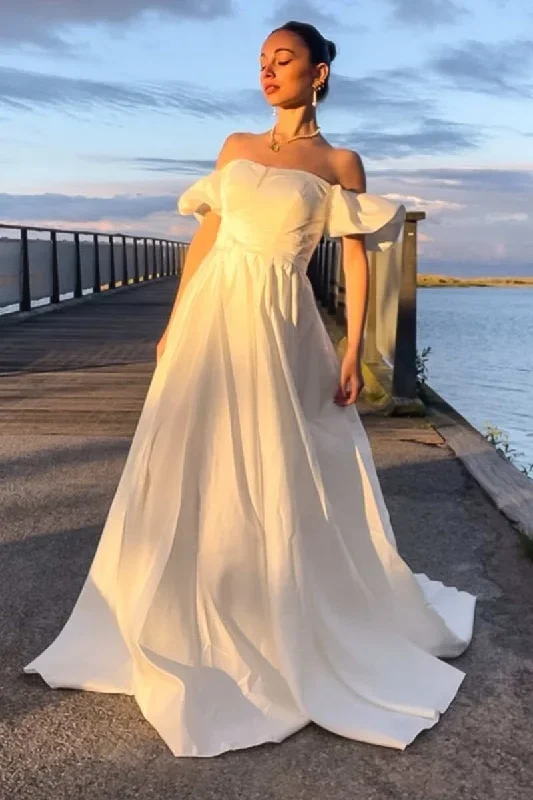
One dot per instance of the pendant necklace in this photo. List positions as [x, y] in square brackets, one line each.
[275, 146]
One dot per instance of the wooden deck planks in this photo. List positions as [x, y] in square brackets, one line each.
[83, 369]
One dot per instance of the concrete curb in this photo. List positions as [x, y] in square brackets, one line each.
[507, 487]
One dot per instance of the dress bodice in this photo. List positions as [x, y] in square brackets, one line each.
[284, 212]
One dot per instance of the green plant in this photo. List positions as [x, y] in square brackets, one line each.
[421, 367]
[500, 440]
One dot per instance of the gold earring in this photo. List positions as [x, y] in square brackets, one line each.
[316, 89]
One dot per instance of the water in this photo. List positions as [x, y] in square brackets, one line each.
[481, 358]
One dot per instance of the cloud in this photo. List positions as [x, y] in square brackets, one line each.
[78, 208]
[308, 11]
[415, 202]
[135, 214]
[46, 24]
[504, 216]
[161, 225]
[385, 94]
[470, 213]
[432, 136]
[495, 68]
[181, 166]
[426, 14]
[26, 90]
[484, 181]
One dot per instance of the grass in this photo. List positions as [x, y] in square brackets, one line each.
[422, 368]
[500, 440]
[435, 280]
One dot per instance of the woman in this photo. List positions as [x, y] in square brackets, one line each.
[247, 580]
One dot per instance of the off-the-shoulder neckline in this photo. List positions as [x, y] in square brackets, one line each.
[287, 169]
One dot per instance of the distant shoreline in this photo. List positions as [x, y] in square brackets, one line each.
[428, 280]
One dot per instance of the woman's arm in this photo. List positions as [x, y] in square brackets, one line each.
[200, 245]
[351, 175]
[355, 265]
[201, 242]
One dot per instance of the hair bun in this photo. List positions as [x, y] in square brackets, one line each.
[332, 49]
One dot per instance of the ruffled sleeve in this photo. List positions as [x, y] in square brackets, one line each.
[202, 196]
[377, 218]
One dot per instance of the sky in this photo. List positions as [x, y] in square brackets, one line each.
[110, 108]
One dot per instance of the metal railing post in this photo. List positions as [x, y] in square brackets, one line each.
[24, 273]
[124, 262]
[112, 276]
[404, 370]
[173, 251]
[146, 267]
[78, 292]
[54, 297]
[135, 260]
[97, 283]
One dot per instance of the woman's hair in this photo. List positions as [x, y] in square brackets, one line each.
[320, 49]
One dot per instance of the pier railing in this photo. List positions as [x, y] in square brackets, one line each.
[390, 330]
[51, 264]
[48, 265]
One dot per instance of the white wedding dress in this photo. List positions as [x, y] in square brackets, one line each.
[247, 579]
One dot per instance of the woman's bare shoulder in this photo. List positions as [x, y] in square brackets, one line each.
[349, 168]
[236, 145]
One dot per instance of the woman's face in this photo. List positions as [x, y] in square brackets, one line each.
[287, 75]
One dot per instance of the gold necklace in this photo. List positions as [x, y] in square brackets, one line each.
[274, 145]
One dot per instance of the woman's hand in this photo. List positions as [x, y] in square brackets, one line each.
[351, 380]
[161, 346]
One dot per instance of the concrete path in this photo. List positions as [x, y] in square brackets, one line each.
[72, 387]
